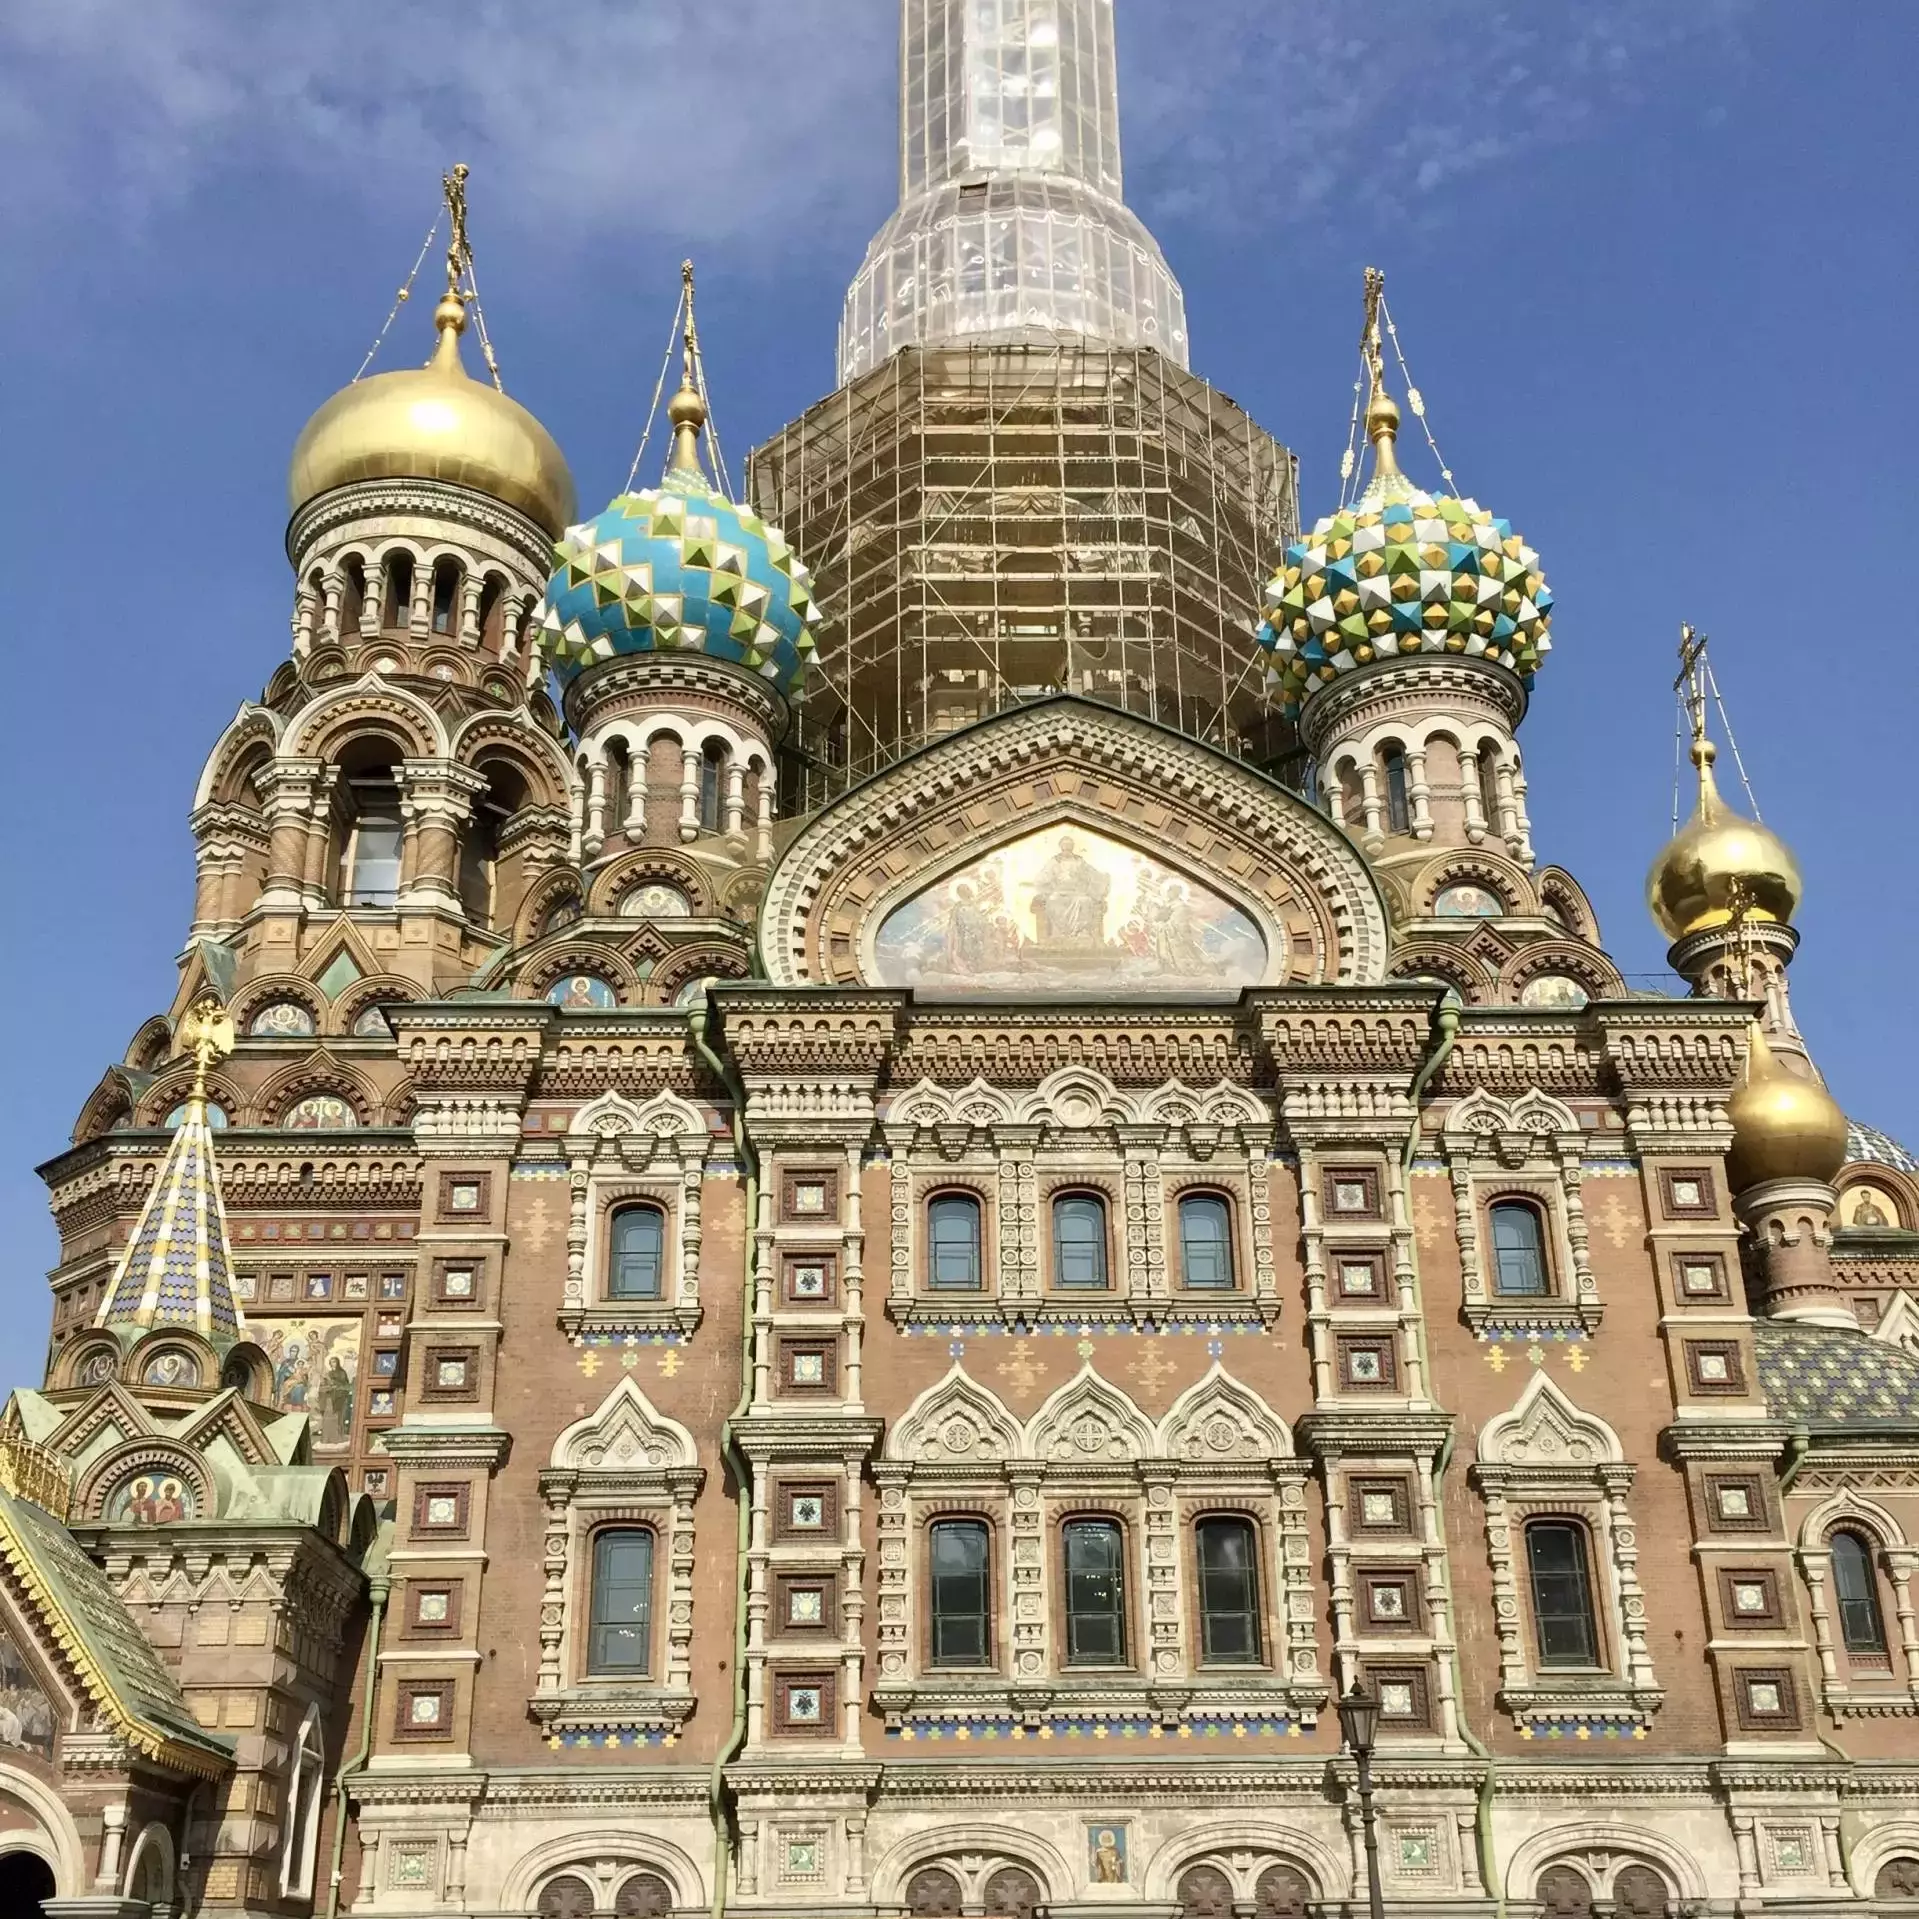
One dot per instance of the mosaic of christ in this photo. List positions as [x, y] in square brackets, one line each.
[1064, 910]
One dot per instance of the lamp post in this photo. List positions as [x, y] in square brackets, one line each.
[1358, 1722]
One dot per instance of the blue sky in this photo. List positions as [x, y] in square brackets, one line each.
[1653, 265]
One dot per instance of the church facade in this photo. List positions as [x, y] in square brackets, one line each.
[840, 1224]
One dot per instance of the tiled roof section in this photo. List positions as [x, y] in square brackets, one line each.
[1867, 1145]
[1826, 1377]
[121, 1671]
[176, 1270]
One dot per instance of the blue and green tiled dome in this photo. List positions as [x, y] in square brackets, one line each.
[1402, 572]
[679, 567]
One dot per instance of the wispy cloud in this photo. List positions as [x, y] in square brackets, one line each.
[606, 118]
[1272, 112]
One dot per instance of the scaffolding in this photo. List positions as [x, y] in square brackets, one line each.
[992, 523]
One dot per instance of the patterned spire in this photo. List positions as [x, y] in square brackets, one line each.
[177, 1270]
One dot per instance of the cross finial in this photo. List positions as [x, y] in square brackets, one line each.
[1691, 683]
[1382, 411]
[686, 410]
[458, 251]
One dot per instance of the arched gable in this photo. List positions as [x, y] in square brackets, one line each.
[1545, 1428]
[1218, 1421]
[1254, 887]
[1089, 1421]
[956, 1419]
[624, 1431]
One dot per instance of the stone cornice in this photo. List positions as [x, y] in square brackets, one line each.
[1715, 1439]
[343, 509]
[1409, 685]
[438, 1446]
[772, 1435]
[1331, 1433]
[607, 683]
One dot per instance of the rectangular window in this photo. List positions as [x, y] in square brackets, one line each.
[371, 875]
[803, 1603]
[1398, 811]
[1563, 1616]
[807, 1279]
[1368, 1363]
[1079, 1242]
[1401, 1692]
[1713, 1366]
[1228, 1554]
[637, 1253]
[953, 1243]
[806, 1365]
[1765, 1699]
[424, 1710]
[960, 1558]
[807, 1510]
[619, 1641]
[1095, 1593]
[1205, 1243]
[1382, 1506]
[803, 1703]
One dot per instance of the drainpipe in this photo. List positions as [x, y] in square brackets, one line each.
[1798, 1452]
[378, 1595]
[1445, 1031]
[729, 1442]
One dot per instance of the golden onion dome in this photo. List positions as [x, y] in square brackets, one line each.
[1785, 1125]
[1717, 860]
[435, 423]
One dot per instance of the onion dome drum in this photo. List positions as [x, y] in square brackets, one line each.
[1402, 572]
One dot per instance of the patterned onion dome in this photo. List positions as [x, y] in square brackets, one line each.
[1402, 571]
[1868, 1146]
[679, 566]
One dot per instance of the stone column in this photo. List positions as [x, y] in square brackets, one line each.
[594, 837]
[1370, 803]
[1469, 789]
[735, 816]
[470, 585]
[689, 793]
[1419, 796]
[763, 837]
[287, 787]
[438, 797]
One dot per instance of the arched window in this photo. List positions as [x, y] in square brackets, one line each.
[1564, 1894]
[638, 1253]
[1640, 1893]
[567, 1897]
[953, 1243]
[397, 609]
[1392, 764]
[1205, 1893]
[1519, 1251]
[492, 612]
[1897, 1879]
[620, 1639]
[1281, 1893]
[959, 1559]
[1489, 785]
[1011, 1893]
[305, 1781]
[1855, 1585]
[1095, 1593]
[446, 596]
[933, 1893]
[1079, 1242]
[712, 787]
[645, 1896]
[375, 834]
[352, 593]
[1205, 1243]
[1565, 1623]
[1228, 1555]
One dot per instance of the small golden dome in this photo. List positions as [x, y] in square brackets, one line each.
[1716, 859]
[1785, 1125]
[435, 423]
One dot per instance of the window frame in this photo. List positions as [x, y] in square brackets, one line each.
[1525, 1206]
[1192, 1200]
[977, 1525]
[1061, 1203]
[593, 1665]
[1070, 1526]
[1868, 1658]
[1533, 1526]
[375, 803]
[634, 1209]
[956, 1201]
[1253, 1612]
[1395, 788]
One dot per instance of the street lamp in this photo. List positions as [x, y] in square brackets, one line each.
[1358, 1723]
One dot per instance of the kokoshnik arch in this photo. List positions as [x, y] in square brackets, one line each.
[835, 1218]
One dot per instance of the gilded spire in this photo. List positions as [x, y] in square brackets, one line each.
[686, 410]
[1382, 411]
[177, 1270]
[449, 317]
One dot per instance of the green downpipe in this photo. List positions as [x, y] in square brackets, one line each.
[729, 1443]
[1445, 1032]
[378, 1595]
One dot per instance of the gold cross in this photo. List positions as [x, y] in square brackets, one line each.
[670, 1361]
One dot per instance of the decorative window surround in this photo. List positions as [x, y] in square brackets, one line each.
[623, 1464]
[958, 1446]
[618, 1151]
[1847, 1694]
[1545, 1456]
[1076, 1125]
[1533, 1148]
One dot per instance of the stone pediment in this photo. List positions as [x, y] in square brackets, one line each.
[1067, 848]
